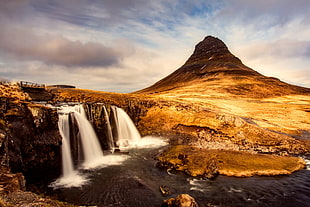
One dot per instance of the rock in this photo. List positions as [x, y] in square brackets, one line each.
[182, 200]
[12, 182]
[31, 139]
[211, 168]
[164, 190]
[209, 163]
[211, 49]
[29, 199]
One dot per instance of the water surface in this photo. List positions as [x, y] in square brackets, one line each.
[135, 181]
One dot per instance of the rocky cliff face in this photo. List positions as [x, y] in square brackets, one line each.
[212, 49]
[30, 140]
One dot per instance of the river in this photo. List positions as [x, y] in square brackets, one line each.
[134, 180]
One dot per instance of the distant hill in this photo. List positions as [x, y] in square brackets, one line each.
[213, 69]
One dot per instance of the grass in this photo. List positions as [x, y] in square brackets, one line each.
[194, 161]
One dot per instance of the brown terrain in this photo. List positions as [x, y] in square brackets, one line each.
[220, 116]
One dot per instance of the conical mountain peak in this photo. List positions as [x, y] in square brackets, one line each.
[213, 69]
[211, 49]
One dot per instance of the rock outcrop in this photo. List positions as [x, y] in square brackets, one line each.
[30, 140]
[209, 163]
[182, 200]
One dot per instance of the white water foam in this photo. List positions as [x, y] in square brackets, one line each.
[119, 159]
[307, 163]
[73, 180]
[196, 185]
[151, 142]
[107, 160]
[194, 188]
[234, 190]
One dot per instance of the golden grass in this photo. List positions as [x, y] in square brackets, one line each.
[194, 161]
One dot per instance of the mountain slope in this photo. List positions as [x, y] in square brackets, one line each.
[213, 69]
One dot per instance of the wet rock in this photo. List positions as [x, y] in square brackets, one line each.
[29, 199]
[31, 140]
[209, 163]
[164, 190]
[182, 200]
[12, 182]
[211, 168]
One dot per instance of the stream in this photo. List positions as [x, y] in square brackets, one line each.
[133, 180]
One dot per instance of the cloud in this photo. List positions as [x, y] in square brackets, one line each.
[21, 44]
[265, 12]
[93, 14]
[282, 48]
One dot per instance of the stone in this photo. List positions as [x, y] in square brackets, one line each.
[209, 163]
[182, 200]
[164, 190]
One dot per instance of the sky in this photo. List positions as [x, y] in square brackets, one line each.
[127, 45]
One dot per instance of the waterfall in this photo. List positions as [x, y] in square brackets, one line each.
[81, 143]
[70, 177]
[63, 125]
[91, 147]
[109, 129]
[127, 133]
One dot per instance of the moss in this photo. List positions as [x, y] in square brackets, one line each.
[200, 162]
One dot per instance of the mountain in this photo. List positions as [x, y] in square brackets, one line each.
[213, 69]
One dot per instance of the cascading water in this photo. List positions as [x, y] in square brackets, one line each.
[63, 125]
[91, 146]
[109, 129]
[127, 133]
[70, 177]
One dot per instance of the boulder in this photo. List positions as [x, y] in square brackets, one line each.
[182, 200]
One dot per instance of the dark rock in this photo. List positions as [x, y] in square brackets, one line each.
[182, 200]
[32, 140]
[164, 190]
[212, 48]
[12, 182]
[38, 94]
[211, 170]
